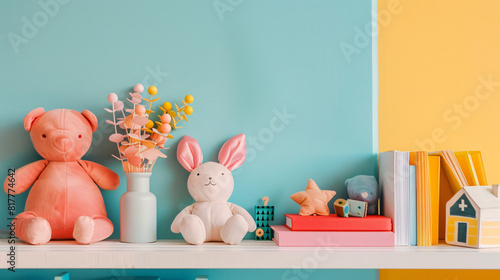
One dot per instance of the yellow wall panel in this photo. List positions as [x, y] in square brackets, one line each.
[439, 77]
[439, 87]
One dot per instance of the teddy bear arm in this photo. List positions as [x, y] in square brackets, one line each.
[235, 209]
[24, 177]
[175, 227]
[102, 176]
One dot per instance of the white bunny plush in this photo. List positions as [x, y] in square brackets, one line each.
[212, 217]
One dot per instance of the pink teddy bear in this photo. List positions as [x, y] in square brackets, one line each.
[64, 202]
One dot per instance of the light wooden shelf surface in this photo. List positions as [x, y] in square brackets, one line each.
[249, 254]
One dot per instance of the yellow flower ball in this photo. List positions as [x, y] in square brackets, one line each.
[152, 90]
[188, 110]
[189, 98]
[150, 124]
[172, 113]
[167, 106]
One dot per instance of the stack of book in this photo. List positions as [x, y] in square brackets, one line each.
[334, 231]
[415, 187]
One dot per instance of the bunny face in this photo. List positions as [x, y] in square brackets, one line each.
[210, 182]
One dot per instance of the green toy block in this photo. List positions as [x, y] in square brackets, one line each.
[264, 214]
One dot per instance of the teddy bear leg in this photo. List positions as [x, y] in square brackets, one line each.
[234, 230]
[32, 229]
[193, 230]
[89, 230]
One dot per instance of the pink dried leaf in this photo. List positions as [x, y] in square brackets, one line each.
[116, 157]
[135, 95]
[120, 119]
[122, 126]
[131, 155]
[110, 122]
[134, 136]
[152, 154]
[118, 105]
[131, 144]
[120, 122]
[131, 151]
[129, 111]
[140, 120]
[108, 110]
[116, 138]
[134, 160]
[135, 101]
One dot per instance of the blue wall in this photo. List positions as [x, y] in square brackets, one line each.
[245, 67]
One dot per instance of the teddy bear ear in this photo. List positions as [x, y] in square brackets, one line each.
[91, 118]
[31, 117]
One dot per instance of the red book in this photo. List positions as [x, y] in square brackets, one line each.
[286, 238]
[332, 222]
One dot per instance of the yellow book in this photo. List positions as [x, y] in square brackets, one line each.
[445, 194]
[434, 174]
[477, 160]
[424, 234]
[454, 173]
[465, 161]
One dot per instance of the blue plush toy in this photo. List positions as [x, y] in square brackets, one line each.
[364, 188]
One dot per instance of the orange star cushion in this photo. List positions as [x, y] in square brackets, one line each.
[313, 200]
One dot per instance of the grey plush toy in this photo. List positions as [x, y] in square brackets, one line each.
[364, 188]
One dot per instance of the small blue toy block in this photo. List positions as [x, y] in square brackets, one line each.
[357, 208]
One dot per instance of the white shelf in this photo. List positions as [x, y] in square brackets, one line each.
[248, 254]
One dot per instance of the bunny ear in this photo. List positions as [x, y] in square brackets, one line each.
[233, 152]
[31, 117]
[189, 153]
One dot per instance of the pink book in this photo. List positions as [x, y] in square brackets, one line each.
[284, 237]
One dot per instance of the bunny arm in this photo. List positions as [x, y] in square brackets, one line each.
[102, 176]
[178, 219]
[25, 176]
[235, 209]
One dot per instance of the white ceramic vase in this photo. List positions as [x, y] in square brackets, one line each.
[138, 210]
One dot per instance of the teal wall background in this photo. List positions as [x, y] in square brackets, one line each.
[184, 274]
[245, 67]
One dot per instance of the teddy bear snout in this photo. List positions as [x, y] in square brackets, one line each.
[63, 143]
